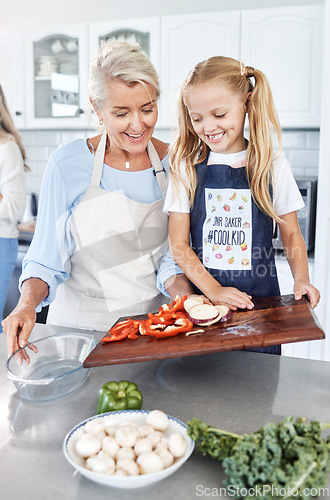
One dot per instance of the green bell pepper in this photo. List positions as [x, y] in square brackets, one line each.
[115, 396]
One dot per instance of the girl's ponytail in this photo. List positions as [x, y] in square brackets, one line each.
[263, 121]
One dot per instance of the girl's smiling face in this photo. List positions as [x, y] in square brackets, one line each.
[129, 114]
[217, 116]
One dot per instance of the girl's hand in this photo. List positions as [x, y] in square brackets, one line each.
[201, 298]
[303, 287]
[231, 297]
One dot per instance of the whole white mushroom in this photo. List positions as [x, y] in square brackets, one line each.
[143, 445]
[162, 445]
[110, 430]
[126, 435]
[125, 453]
[101, 463]
[110, 446]
[129, 467]
[158, 420]
[94, 427]
[145, 430]
[155, 437]
[177, 444]
[120, 472]
[88, 445]
[166, 456]
[149, 462]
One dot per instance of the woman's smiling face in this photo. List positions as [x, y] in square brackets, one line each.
[217, 116]
[129, 114]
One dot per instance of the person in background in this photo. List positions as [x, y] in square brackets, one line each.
[226, 192]
[101, 230]
[12, 196]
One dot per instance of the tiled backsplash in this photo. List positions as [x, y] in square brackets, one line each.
[300, 146]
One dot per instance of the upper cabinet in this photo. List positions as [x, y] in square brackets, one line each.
[187, 40]
[286, 44]
[12, 76]
[56, 75]
[144, 32]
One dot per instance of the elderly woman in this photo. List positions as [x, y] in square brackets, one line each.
[101, 230]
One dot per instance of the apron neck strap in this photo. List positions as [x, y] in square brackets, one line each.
[159, 170]
[153, 155]
[98, 161]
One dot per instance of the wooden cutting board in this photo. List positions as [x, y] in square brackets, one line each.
[275, 320]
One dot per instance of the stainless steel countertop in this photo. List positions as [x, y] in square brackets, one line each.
[239, 391]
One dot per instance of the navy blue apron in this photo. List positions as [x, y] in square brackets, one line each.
[231, 235]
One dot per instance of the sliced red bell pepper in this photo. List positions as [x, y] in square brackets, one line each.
[170, 320]
[177, 305]
[119, 326]
[166, 317]
[181, 325]
[118, 335]
[134, 330]
[148, 328]
[128, 328]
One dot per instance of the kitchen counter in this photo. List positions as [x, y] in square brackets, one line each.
[239, 391]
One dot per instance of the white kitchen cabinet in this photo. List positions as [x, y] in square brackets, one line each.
[143, 31]
[286, 44]
[187, 40]
[12, 75]
[56, 76]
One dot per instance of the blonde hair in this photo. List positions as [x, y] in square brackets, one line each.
[119, 60]
[263, 121]
[7, 127]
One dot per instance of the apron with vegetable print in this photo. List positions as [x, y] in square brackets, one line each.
[119, 243]
[231, 235]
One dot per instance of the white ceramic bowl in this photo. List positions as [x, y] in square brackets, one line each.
[125, 482]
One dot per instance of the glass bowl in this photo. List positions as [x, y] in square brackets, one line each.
[116, 418]
[55, 370]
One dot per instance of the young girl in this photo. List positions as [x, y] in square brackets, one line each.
[226, 192]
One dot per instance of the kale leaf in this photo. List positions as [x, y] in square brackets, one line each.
[291, 456]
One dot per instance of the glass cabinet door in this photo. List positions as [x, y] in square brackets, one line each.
[144, 31]
[56, 77]
[142, 38]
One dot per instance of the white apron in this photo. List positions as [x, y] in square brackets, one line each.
[119, 243]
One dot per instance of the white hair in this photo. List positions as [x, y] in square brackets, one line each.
[119, 60]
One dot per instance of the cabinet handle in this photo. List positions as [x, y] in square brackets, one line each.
[18, 113]
[81, 111]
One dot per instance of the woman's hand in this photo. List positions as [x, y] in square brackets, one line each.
[303, 287]
[231, 297]
[18, 326]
